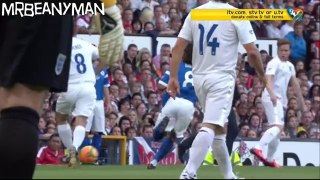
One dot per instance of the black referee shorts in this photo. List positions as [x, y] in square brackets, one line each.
[36, 51]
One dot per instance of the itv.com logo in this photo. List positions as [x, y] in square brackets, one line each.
[295, 14]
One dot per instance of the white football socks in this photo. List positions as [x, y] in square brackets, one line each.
[221, 154]
[199, 149]
[270, 135]
[272, 148]
[79, 134]
[65, 134]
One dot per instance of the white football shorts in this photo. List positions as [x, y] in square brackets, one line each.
[275, 114]
[180, 111]
[79, 100]
[96, 122]
[215, 94]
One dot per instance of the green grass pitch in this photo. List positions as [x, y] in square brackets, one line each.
[170, 172]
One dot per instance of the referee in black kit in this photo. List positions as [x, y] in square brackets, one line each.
[34, 59]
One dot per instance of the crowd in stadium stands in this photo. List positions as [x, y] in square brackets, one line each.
[136, 103]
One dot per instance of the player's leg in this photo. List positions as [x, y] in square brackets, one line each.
[162, 130]
[214, 92]
[19, 116]
[232, 131]
[98, 128]
[64, 105]
[184, 145]
[25, 79]
[85, 103]
[184, 112]
[203, 139]
[271, 137]
[164, 120]
[89, 126]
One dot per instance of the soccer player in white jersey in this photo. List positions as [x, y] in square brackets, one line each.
[79, 99]
[280, 72]
[215, 51]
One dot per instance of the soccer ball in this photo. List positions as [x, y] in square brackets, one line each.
[88, 155]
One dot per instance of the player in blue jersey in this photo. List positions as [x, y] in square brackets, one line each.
[177, 113]
[96, 122]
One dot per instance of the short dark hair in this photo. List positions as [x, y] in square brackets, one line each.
[53, 135]
[165, 45]
[283, 42]
[187, 55]
[131, 46]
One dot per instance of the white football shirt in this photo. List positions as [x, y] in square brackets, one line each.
[81, 68]
[282, 71]
[215, 43]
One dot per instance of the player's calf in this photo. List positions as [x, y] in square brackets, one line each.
[159, 130]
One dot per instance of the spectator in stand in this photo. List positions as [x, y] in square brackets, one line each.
[182, 8]
[165, 66]
[118, 77]
[173, 3]
[141, 110]
[274, 30]
[52, 153]
[291, 126]
[173, 12]
[255, 122]
[147, 131]
[160, 27]
[133, 118]
[148, 4]
[157, 12]
[152, 101]
[124, 123]
[259, 29]
[124, 107]
[315, 106]
[114, 92]
[316, 78]
[252, 133]
[127, 20]
[175, 24]
[244, 75]
[256, 4]
[131, 132]
[165, 12]
[243, 130]
[116, 131]
[146, 16]
[298, 43]
[111, 121]
[126, 4]
[136, 26]
[246, 5]
[286, 28]
[165, 50]
[314, 67]
[277, 4]
[131, 54]
[307, 120]
[42, 126]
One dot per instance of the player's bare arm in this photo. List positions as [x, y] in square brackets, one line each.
[270, 89]
[177, 53]
[254, 58]
[161, 88]
[296, 86]
[107, 101]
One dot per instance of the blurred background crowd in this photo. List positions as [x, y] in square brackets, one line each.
[135, 102]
